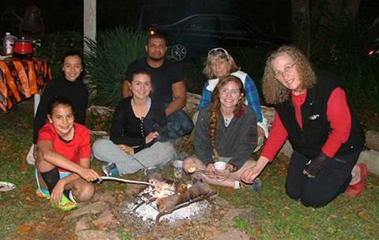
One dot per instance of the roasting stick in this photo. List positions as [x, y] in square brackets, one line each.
[125, 180]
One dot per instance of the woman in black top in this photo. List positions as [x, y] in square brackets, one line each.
[69, 86]
[133, 141]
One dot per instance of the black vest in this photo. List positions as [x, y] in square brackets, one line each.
[316, 127]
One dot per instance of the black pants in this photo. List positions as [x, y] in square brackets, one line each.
[328, 184]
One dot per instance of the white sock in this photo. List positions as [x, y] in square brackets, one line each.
[356, 175]
[237, 185]
[71, 196]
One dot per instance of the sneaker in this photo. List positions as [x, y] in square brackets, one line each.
[64, 204]
[256, 185]
[357, 189]
[110, 169]
[42, 194]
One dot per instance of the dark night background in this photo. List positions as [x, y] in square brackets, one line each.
[271, 16]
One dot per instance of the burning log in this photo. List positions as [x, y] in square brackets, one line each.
[199, 189]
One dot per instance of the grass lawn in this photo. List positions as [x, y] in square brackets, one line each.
[276, 216]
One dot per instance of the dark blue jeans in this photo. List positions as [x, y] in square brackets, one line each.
[178, 125]
[331, 181]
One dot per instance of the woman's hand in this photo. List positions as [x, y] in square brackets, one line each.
[126, 149]
[57, 192]
[230, 168]
[211, 169]
[151, 136]
[251, 173]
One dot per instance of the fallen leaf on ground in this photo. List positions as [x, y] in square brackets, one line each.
[24, 228]
[362, 214]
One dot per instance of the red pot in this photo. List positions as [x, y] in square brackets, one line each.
[23, 47]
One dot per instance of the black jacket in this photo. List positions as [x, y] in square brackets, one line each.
[316, 127]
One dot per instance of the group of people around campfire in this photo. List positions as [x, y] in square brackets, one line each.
[312, 112]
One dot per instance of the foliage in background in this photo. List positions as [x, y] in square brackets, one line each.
[52, 47]
[252, 61]
[350, 61]
[193, 72]
[108, 59]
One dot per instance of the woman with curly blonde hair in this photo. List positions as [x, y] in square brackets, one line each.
[226, 131]
[314, 114]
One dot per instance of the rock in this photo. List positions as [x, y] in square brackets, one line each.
[372, 140]
[269, 114]
[81, 225]
[192, 105]
[287, 149]
[96, 234]
[93, 208]
[106, 196]
[134, 189]
[105, 219]
[371, 159]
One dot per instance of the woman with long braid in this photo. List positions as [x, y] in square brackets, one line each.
[226, 131]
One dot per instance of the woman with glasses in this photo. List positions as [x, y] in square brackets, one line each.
[314, 114]
[225, 132]
[219, 64]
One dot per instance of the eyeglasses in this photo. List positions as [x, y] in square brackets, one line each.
[216, 50]
[288, 69]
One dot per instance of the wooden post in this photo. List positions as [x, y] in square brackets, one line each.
[89, 21]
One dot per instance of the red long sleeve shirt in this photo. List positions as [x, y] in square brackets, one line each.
[338, 114]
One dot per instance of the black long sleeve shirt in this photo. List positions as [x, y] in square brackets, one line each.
[129, 130]
[76, 92]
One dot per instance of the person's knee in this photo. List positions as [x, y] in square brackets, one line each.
[187, 126]
[292, 192]
[314, 202]
[99, 148]
[306, 200]
[85, 192]
[183, 120]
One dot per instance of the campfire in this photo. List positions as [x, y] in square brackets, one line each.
[175, 199]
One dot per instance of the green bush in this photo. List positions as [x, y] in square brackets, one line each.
[52, 47]
[252, 61]
[108, 59]
[349, 61]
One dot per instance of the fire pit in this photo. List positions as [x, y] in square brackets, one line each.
[175, 199]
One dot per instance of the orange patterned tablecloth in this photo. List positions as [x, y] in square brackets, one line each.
[21, 78]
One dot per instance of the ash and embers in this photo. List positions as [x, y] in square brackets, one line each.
[170, 202]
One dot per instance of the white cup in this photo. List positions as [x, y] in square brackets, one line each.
[219, 166]
[178, 168]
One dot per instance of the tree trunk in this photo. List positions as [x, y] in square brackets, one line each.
[89, 21]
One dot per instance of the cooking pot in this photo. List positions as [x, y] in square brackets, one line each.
[23, 48]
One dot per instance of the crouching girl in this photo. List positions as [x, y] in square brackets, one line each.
[63, 163]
